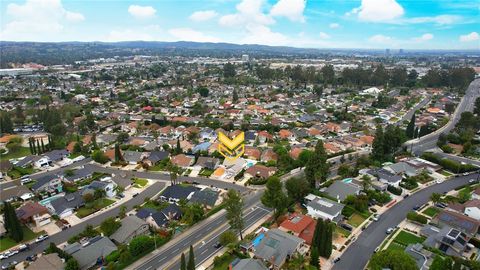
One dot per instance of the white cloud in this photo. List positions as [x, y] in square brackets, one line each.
[424, 37]
[380, 39]
[261, 34]
[291, 9]
[440, 19]
[248, 12]
[141, 12]
[188, 34]
[334, 25]
[203, 15]
[469, 37]
[37, 20]
[324, 35]
[378, 10]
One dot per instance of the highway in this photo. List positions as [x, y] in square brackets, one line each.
[359, 252]
[63, 236]
[466, 104]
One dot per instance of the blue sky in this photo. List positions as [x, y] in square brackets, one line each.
[407, 24]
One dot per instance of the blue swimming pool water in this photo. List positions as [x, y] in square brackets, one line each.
[347, 180]
[257, 239]
[49, 199]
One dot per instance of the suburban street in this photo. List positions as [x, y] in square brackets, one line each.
[408, 115]
[429, 141]
[63, 236]
[359, 252]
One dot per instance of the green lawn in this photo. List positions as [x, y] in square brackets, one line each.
[20, 152]
[431, 211]
[355, 220]
[93, 207]
[341, 231]
[158, 206]
[28, 235]
[222, 262]
[445, 173]
[396, 246]
[206, 172]
[405, 238]
[17, 172]
[140, 182]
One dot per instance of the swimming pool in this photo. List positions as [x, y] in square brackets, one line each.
[258, 239]
[49, 199]
[347, 180]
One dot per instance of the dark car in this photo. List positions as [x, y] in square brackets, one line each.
[416, 207]
[135, 195]
[346, 227]
[336, 260]
[31, 258]
[217, 245]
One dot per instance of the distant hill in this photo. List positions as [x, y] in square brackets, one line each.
[52, 53]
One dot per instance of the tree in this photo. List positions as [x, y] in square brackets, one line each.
[234, 206]
[476, 109]
[191, 260]
[99, 156]
[174, 172]
[12, 224]
[440, 263]
[322, 238]
[203, 91]
[297, 188]
[122, 137]
[274, 197]
[6, 125]
[410, 131]
[72, 264]
[77, 148]
[378, 145]
[314, 257]
[366, 182]
[435, 197]
[229, 70]
[183, 266]
[118, 153]
[227, 238]
[123, 211]
[317, 166]
[192, 213]
[235, 96]
[392, 259]
[109, 226]
[140, 244]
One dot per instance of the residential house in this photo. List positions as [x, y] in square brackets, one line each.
[403, 169]
[131, 226]
[300, 225]
[341, 190]
[133, 157]
[33, 213]
[183, 160]
[201, 147]
[208, 134]
[207, 197]
[449, 240]
[154, 157]
[56, 155]
[476, 194]
[277, 246]
[66, 205]
[27, 161]
[15, 193]
[47, 261]
[208, 163]
[323, 208]
[92, 253]
[269, 155]
[47, 183]
[107, 186]
[422, 257]
[248, 264]
[423, 164]
[161, 219]
[260, 171]
[229, 169]
[385, 176]
[78, 175]
[42, 162]
[252, 153]
[458, 221]
[175, 193]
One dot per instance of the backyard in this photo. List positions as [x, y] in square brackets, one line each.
[28, 235]
[403, 239]
[93, 207]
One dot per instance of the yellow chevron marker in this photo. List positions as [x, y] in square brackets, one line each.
[231, 149]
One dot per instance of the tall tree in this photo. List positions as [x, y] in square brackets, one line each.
[378, 145]
[191, 260]
[297, 188]
[12, 224]
[234, 206]
[235, 95]
[183, 266]
[317, 167]
[411, 128]
[118, 153]
[274, 197]
[229, 70]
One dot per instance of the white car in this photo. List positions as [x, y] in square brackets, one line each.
[41, 238]
[389, 230]
[471, 180]
[375, 217]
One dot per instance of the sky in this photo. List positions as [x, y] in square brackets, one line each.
[376, 24]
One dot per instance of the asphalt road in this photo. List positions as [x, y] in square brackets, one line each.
[458, 158]
[10, 184]
[466, 104]
[63, 236]
[168, 254]
[166, 177]
[359, 252]
[170, 258]
[408, 115]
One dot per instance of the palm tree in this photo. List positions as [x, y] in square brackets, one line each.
[174, 171]
[366, 182]
[435, 197]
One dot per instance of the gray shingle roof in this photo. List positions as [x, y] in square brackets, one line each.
[341, 190]
[87, 255]
[277, 245]
[72, 200]
[130, 224]
[327, 206]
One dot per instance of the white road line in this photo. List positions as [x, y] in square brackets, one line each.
[201, 253]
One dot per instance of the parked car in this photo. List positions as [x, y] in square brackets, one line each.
[31, 258]
[9, 265]
[416, 207]
[375, 217]
[135, 195]
[217, 245]
[346, 227]
[23, 247]
[336, 260]
[389, 230]
[41, 238]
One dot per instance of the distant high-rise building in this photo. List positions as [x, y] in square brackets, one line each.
[245, 57]
[387, 51]
[400, 51]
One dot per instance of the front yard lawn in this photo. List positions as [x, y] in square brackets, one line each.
[28, 235]
[341, 232]
[16, 153]
[355, 220]
[93, 207]
[206, 172]
[140, 182]
[17, 172]
[405, 238]
[431, 211]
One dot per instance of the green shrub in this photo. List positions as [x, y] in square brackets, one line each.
[413, 216]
